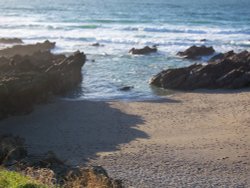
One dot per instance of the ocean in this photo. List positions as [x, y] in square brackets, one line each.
[120, 25]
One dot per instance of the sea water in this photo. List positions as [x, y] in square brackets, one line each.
[119, 25]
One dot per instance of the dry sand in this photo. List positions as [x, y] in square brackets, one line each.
[197, 139]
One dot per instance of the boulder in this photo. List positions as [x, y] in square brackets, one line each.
[145, 50]
[230, 71]
[195, 52]
[26, 80]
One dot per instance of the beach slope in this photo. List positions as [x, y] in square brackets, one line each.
[189, 139]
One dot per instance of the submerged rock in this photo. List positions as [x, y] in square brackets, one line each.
[195, 52]
[126, 88]
[231, 71]
[145, 50]
[26, 80]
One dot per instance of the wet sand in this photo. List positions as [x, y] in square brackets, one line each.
[199, 139]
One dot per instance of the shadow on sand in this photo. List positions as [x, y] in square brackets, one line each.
[74, 130]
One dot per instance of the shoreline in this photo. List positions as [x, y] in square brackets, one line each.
[188, 139]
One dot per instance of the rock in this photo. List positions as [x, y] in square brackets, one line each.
[220, 56]
[27, 49]
[11, 149]
[26, 80]
[195, 52]
[126, 88]
[96, 44]
[231, 71]
[155, 45]
[145, 50]
[10, 40]
[203, 40]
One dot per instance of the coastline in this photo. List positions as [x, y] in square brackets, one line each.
[190, 139]
[129, 94]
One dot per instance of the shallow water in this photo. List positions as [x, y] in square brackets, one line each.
[120, 25]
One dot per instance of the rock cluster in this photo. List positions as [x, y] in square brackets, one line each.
[229, 71]
[30, 74]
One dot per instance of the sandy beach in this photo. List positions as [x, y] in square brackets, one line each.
[196, 139]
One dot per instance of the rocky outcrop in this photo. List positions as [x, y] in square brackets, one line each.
[195, 52]
[145, 50]
[229, 70]
[10, 40]
[26, 80]
[49, 169]
[27, 49]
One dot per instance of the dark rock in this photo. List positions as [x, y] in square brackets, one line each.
[27, 49]
[10, 40]
[221, 56]
[96, 44]
[231, 71]
[195, 52]
[155, 45]
[203, 40]
[216, 57]
[126, 88]
[145, 50]
[32, 79]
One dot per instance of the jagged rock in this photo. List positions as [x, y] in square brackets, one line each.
[27, 49]
[220, 56]
[145, 50]
[10, 40]
[31, 79]
[231, 71]
[195, 52]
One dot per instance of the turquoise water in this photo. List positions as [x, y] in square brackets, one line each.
[120, 25]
